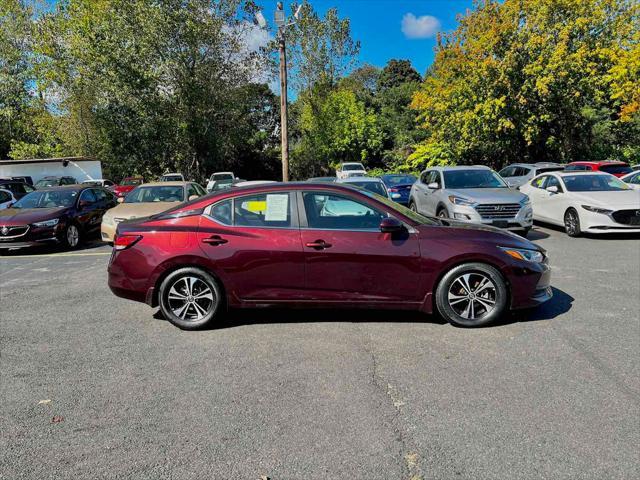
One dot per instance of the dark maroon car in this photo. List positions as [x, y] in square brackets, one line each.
[321, 245]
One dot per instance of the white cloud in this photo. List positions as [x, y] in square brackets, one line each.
[419, 27]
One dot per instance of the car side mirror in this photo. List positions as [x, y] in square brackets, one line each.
[193, 197]
[120, 199]
[390, 225]
[552, 189]
[433, 186]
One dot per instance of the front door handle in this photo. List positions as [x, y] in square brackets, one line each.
[319, 245]
[215, 240]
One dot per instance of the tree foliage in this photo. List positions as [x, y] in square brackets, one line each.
[531, 81]
[396, 73]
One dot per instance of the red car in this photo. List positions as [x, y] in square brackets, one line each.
[321, 245]
[126, 185]
[619, 169]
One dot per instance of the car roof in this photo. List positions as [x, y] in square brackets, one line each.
[164, 184]
[458, 167]
[599, 162]
[536, 165]
[573, 173]
[358, 180]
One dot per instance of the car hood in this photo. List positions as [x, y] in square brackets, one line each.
[25, 216]
[137, 210]
[620, 200]
[489, 195]
[473, 232]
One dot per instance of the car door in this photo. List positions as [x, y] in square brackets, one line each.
[253, 244]
[534, 191]
[89, 212]
[348, 258]
[550, 204]
[105, 200]
[426, 196]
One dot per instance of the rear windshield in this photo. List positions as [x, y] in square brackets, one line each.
[352, 166]
[616, 169]
[375, 187]
[399, 179]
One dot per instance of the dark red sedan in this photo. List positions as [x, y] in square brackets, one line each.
[321, 245]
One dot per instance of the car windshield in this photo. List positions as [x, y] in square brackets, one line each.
[170, 193]
[375, 187]
[617, 169]
[415, 216]
[47, 199]
[352, 166]
[222, 176]
[594, 183]
[398, 179]
[131, 181]
[473, 179]
[47, 182]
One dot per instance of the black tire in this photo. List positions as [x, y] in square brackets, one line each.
[199, 312]
[442, 213]
[412, 206]
[490, 299]
[572, 223]
[72, 237]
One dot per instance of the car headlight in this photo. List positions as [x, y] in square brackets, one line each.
[47, 223]
[460, 201]
[524, 254]
[604, 211]
[526, 201]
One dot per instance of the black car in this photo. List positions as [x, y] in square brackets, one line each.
[18, 188]
[55, 182]
[64, 215]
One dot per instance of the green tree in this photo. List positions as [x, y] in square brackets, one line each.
[396, 73]
[532, 81]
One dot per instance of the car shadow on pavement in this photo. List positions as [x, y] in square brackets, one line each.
[558, 305]
[536, 234]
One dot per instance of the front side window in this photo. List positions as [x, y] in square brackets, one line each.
[4, 196]
[554, 182]
[169, 193]
[333, 212]
[262, 210]
[635, 179]
[88, 196]
[594, 183]
[508, 172]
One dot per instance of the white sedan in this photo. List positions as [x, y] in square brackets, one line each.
[584, 202]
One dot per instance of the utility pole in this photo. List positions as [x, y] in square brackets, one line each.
[282, 23]
[284, 118]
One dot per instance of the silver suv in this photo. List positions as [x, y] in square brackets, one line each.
[474, 194]
[517, 174]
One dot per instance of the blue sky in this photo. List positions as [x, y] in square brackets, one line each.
[403, 29]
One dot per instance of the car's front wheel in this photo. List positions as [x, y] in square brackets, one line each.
[412, 206]
[472, 295]
[572, 223]
[190, 298]
[71, 237]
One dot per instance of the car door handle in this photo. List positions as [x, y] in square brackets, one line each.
[215, 240]
[319, 245]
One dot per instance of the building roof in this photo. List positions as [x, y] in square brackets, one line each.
[47, 160]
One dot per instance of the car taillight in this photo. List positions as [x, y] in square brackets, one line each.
[123, 242]
[394, 189]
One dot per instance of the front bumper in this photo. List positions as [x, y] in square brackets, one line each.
[592, 222]
[34, 236]
[107, 232]
[521, 221]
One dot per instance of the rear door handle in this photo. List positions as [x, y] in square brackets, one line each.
[318, 245]
[215, 240]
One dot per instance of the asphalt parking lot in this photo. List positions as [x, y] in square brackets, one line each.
[94, 386]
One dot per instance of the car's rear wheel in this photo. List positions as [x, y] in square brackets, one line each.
[572, 223]
[190, 298]
[71, 236]
[472, 295]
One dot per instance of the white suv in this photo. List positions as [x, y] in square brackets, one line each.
[350, 169]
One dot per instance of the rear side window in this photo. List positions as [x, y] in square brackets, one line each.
[507, 172]
[262, 210]
[221, 212]
[332, 212]
[521, 172]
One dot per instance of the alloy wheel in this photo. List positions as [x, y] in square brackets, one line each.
[73, 236]
[571, 223]
[472, 296]
[191, 299]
